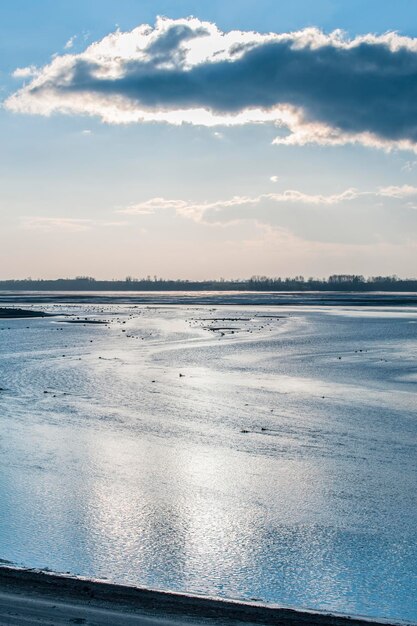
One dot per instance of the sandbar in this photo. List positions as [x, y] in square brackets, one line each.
[13, 313]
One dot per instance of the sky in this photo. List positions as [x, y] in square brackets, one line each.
[196, 140]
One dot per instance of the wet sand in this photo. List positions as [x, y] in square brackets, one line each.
[29, 597]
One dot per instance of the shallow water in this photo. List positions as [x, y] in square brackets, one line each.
[241, 451]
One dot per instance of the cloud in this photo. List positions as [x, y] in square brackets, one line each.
[398, 192]
[70, 42]
[409, 166]
[25, 72]
[151, 206]
[65, 224]
[320, 88]
[113, 223]
[314, 217]
[198, 210]
[56, 223]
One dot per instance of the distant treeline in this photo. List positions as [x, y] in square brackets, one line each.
[337, 282]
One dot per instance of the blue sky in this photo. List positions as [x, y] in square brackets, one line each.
[89, 187]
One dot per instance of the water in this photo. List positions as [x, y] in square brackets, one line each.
[134, 467]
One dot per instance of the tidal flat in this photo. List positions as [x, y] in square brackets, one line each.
[256, 452]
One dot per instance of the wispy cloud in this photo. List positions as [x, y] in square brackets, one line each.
[409, 166]
[316, 217]
[394, 191]
[113, 223]
[56, 223]
[65, 224]
[151, 206]
[197, 210]
[70, 42]
[323, 88]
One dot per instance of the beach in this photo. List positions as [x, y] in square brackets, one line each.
[33, 597]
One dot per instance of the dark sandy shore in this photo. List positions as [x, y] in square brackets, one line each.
[32, 597]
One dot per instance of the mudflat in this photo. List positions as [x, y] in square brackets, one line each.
[262, 454]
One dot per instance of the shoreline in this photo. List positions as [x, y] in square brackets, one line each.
[61, 596]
